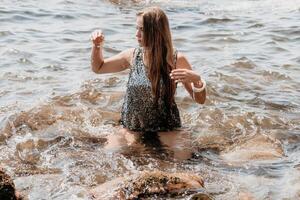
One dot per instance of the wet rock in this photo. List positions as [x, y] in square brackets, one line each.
[64, 101]
[91, 140]
[91, 96]
[241, 150]
[99, 178]
[258, 148]
[7, 187]
[32, 120]
[70, 110]
[149, 184]
[201, 196]
[111, 82]
[29, 151]
[3, 137]
[216, 142]
[28, 170]
[6, 132]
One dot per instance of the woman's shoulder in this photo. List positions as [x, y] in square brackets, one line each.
[127, 54]
[132, 51]
[179, 54]
[130, 54]
[182, 61]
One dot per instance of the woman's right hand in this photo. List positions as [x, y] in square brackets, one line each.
[97, 38]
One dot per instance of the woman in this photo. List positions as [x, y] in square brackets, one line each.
[155, 68]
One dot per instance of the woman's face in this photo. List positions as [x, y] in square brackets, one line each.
[139, 30]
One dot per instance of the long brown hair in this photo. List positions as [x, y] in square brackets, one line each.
[160, 54]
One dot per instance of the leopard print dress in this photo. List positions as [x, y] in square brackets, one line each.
[139, 111]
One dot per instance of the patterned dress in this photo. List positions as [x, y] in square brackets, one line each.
[139, 112]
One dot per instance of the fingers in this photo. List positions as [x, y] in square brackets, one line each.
[177, 74]
[184, 75]
[182, 72]
[179, 69]
[97, 35]
[178, 77]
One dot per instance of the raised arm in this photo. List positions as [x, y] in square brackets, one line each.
[115, 63]
[190, 79]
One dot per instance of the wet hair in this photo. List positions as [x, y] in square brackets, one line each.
[160, 55]
[7, 187]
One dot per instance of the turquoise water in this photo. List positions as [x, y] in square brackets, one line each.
[55, 111]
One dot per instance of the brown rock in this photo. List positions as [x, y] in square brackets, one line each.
[147, 184]
[258, 148]
[7, 187]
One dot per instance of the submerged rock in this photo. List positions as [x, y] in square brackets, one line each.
[149, 184]
[201, 196]
[258, 148]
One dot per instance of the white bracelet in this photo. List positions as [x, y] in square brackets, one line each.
[195, 89]
[98, 46]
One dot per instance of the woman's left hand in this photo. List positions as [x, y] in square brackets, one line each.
[184, 75]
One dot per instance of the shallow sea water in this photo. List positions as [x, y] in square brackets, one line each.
[56, 114]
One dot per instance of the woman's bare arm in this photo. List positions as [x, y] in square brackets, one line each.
[184, 73]
[115, 63]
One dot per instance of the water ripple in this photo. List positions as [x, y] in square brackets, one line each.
[244, 63]
[217, 20]
[5, 33]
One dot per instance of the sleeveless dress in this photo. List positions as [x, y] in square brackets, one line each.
[139, 111]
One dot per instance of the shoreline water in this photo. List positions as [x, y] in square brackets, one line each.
[55, 113]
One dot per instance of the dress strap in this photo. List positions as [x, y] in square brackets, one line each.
[135, 56]
[175, 57]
